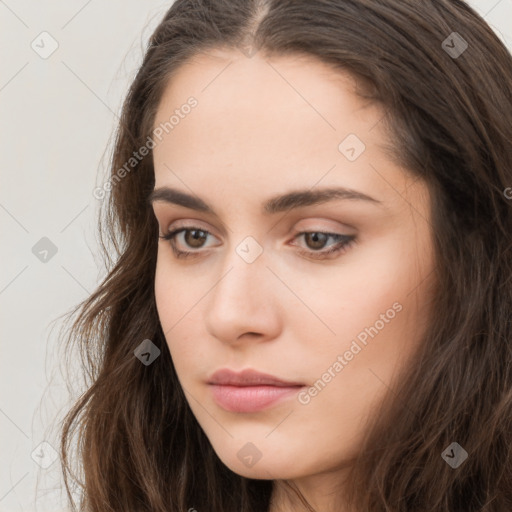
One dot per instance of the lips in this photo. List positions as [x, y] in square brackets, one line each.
[227, 377]
[249, 390]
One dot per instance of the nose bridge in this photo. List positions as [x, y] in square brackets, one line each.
[244, 272]
[241, 300]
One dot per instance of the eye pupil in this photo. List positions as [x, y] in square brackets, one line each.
[317, 238]
[196, 239]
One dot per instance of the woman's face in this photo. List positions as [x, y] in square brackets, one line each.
[251, 164]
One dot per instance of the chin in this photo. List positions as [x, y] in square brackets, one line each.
[266, 468]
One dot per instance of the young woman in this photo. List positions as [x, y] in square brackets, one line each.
[310, 308]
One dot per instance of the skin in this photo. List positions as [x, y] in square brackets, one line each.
[264, 127]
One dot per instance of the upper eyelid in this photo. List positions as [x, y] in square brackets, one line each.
[175, 226]
[197, 224]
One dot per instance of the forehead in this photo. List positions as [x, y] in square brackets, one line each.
[298, 83]
[261, 123]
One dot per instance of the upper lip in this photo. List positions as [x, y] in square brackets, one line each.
[248, 377]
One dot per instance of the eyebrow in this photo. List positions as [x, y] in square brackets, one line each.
[282, 203]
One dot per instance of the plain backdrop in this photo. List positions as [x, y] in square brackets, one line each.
[65, 69]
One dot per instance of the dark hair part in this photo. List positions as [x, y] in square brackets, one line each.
[141, 448]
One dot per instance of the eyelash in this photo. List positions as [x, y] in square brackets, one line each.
[342, 246]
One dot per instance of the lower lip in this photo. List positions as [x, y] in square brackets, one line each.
[250, 398]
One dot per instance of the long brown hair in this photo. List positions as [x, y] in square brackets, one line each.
[448, 104]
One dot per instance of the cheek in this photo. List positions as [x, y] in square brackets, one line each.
[374, 307]
[175, 292]
[354, 295]
[165, 294]
[351, 372]
[178, 297]
[175, 298]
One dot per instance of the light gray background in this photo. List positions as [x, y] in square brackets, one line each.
[57, 119]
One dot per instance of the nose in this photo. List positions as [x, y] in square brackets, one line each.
[243, 303]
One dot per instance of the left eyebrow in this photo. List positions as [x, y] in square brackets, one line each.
[282, 203]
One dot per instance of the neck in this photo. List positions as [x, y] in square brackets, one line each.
[320, 494]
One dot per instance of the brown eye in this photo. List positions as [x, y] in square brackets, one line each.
[195, 237]
[316, 240]
[192, 237]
